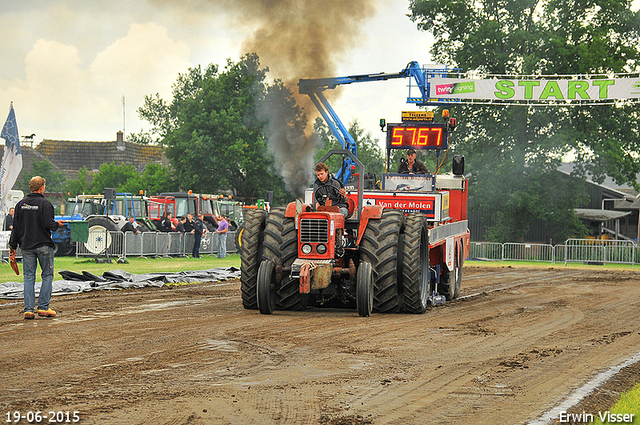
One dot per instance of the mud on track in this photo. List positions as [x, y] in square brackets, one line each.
[517, 343]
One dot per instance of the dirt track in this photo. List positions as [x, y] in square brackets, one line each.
[518, 344]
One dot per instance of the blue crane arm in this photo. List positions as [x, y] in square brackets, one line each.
[314, 88]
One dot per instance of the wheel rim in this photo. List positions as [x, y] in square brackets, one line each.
[99, 239]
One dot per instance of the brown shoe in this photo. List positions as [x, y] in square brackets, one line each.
[47, 313]
[29, 315]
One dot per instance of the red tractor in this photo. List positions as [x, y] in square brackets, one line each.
[399, 250]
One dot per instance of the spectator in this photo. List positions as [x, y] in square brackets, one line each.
[180, 225]
[32, 227]
[188, 225]
[198, 231]
[165, 223]
[130, 226]
[8, 221]
[223, 228]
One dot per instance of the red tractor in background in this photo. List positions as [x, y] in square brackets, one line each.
[160, 206]
[400, 249]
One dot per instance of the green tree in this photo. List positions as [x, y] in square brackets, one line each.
[124, 178]
[56, 179]
[212, 135]
[511, 152]
[156, 179]
[79, 185]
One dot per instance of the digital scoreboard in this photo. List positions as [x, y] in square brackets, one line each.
[417, 135]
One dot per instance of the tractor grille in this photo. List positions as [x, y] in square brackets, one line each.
[314, 230]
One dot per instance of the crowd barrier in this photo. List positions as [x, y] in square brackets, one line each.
[589, 251]
[156, 244]
[149, 244]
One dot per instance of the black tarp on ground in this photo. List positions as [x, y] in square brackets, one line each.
[74, 283]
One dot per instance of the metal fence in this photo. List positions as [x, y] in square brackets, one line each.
[148, 244]
[588, 251]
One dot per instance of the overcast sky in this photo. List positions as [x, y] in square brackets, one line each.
[66, 65]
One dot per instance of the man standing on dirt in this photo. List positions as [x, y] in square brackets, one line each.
[223, 228]
[198, 231]
[33, 223]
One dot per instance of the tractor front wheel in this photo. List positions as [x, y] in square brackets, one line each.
[250, 249]
[266, 291]
[281, 247]
[364, 289]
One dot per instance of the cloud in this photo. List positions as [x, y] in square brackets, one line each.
[60, 99]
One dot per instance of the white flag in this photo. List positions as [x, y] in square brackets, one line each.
[12, 159]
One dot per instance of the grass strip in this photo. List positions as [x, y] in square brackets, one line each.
[627, 404]
[133, 265]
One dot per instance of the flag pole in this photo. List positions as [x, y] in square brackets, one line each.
[12, 157]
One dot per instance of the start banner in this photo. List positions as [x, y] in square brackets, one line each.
[536, 90]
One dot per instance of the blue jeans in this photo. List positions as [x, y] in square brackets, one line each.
[222, 245]
[195, 253]
[30, 258]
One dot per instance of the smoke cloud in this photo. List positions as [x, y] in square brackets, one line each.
[300, 39]
[285, 131]
[294, 39]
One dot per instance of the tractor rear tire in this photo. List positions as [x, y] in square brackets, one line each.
[237, 238]
[281, 247]
[266, 292]
[143, 228]
[415, 264]
[251, 256]
[380, 247]
[364, 289]
[451, 280]
[99, 239]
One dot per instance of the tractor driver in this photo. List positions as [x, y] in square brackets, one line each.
[328, 187]
[412, 165]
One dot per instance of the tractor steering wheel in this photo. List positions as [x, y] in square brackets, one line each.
[326, 191]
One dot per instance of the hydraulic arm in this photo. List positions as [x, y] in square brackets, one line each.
[314, 88]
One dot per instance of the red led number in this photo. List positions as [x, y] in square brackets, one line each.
[416, 136]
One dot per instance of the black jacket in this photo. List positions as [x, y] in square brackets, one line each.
[188, 226]
[198, 228]
[338, 201]
[418, 168]
[128, 227]
[8, 222]
[165, 224]
[33, 223]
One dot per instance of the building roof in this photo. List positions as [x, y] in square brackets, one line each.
[608, 183]
[29, 155]
[73, 155]
[600, 215]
